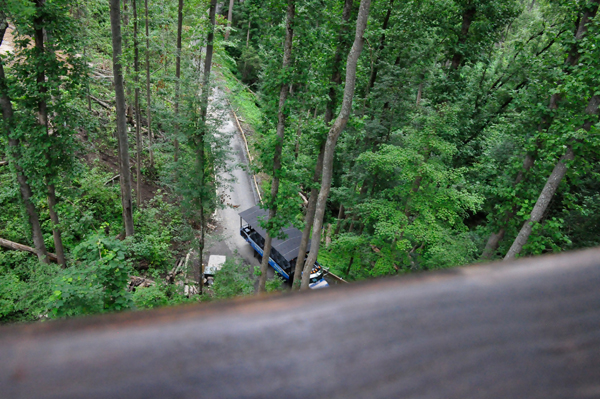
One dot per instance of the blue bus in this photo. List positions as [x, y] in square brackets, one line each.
[284, 252]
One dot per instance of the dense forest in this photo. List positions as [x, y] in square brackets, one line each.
[398, 135]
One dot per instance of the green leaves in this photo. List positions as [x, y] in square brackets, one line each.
[96, 284]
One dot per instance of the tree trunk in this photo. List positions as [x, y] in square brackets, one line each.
[308, 220]
[332, 137]
[541, 204]
[349, 267]
[495, 238]
[14, 146]
[419, 94]
[128, 107]
[340, 220]
[375, 68]
[43, 121]
[200, 137]
[138, 116]
[229, 18]
[467, 18]
[148, 106]
[551, 186]
[248, 33]
[177, 76]
[287, 59]
[125, 179]
[572, 58]
[336, 80]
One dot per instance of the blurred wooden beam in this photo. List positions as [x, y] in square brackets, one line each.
[526, 329]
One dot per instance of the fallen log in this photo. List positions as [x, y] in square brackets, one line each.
[102, 103]
[20, 247]
[2, 163]
[112, 179]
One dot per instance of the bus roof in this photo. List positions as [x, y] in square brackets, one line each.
[288, 247]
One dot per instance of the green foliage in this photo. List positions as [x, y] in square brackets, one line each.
[25, 286]
[97, 284]
[149, 297]
[234, 279]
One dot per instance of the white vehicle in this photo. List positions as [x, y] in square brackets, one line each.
[215, 263]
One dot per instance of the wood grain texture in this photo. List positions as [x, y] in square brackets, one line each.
[526, 329]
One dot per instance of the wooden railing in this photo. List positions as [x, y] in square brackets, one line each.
[528, 329]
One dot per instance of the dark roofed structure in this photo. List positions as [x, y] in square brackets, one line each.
[288, 247]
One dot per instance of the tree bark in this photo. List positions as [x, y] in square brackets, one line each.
[375, 68]
[467, 18]
[229, 18]
[43, 122]
[199, 139]
[20, 247]
[287, 59]
[541, 204]
[125, 179]
[248, 33]
[13, 149]
[148, 105]
[336, 80]
[308, 220]
[332, 137]
[495, 238]
[551, 186]
[340, 220]
[572, 57]
[177, 76]
[138, 116]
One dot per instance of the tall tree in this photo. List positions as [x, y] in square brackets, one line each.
[275, 176]
[178, 75]
[138, 116]
[14, 145]
[199, 139]
[332, 137]
[336, 80]
[229, 18]
[125, 178]
[572, 58]
[148, 102]
[554, 180]
[39, 23]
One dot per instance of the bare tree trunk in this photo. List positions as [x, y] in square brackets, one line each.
[177, 77]
[229, 18]
[375, 68]
[541, 204]
[148, 107]
[287, 59]
[332, 137]
[495, 238]
[336, 80]
[138, 116]
[43, 121]
[128, 107]
[551, 186]
[248, 33]
[200, 137]
[572, 58]
[467, 18]
[309, 218]
[340, 220]
[419, 93]
[125, 179]
[14, 146]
